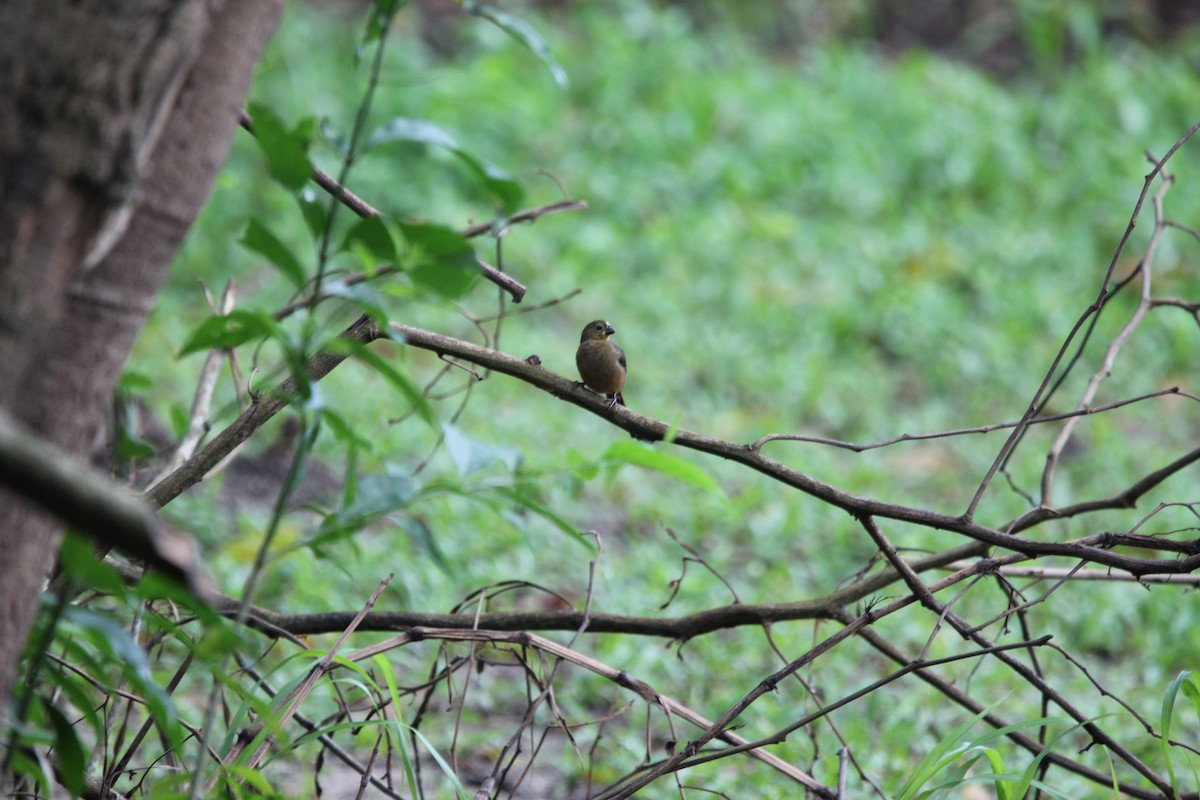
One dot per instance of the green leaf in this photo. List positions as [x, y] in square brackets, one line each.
[468, 454]
[156, 586]
[1027, 779]
[382, 493]
[380, 18]
[1167, 716]
[955, 746]
[132, 380]
[669, 465]
[370, 239]
[949, 748]
[180, 418]
[440, 259]
[123, 650]
[361, 295]
[79, 693]
[1192, 692]
[130, 447]
[21, 764]
[397, 378]
[500, 184]
[545, 513]
[345, 432]
[384, 667]
[259, 239]
[580, 465]
[521, 31]
[78, 558]
[224, 331]
[287, 160]
[421, 535]
[248, 776]
[471, 455]
[71, 760]
[447, 771]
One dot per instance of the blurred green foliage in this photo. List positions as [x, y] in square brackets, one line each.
[823, 240]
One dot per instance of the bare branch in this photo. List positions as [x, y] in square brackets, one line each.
[619, 677]
[916, 437]
[1096, 549]
[1110, 355]
[1019, 431]
[1022, 670]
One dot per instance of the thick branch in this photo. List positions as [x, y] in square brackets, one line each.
[87, 500]
[197, 468]
[831, 606]
[1096, 549]
[649, 429]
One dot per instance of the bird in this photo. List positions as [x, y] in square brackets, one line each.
[601, 361]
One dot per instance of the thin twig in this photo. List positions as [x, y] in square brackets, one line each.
[1019, 431]
[619, 677]
[206, 384]
[1022, 670]
[1114, 347]
[916, 437]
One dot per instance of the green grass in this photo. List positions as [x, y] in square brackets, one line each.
[826, 242]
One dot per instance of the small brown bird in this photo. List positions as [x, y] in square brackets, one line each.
[601, 361]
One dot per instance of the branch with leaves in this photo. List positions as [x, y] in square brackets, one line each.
[1096, 548]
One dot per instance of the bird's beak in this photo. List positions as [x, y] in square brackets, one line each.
[609, 330]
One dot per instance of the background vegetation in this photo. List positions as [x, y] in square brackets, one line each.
[793, 229]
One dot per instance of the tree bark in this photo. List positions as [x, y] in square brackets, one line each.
[115, 118]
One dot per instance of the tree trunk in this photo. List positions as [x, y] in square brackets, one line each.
[115, 118]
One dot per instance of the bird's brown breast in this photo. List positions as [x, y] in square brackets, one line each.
[600, 366]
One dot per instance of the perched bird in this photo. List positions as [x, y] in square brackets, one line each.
[601, 361]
